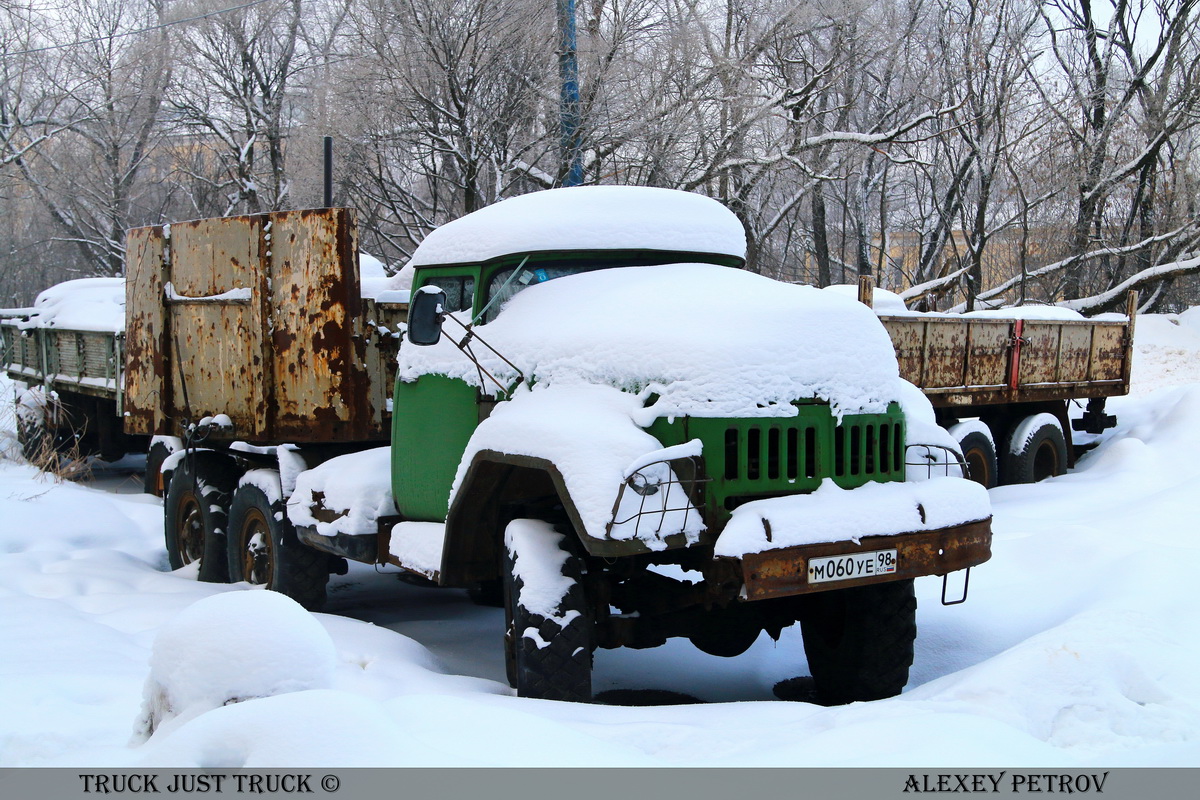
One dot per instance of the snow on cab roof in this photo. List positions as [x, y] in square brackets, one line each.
[587, 218]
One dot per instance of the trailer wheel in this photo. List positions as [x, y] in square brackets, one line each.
[979, 452]
[548, 637]
[265, 551]
[154, 460]
[859, 641]
[1036, 450]
[196, 512]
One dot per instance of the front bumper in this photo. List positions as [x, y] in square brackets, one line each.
[784, 572]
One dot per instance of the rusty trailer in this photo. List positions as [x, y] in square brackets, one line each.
[260, 318]
[978, 362]
[993, 382]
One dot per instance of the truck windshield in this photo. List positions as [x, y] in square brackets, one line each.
[503, 285]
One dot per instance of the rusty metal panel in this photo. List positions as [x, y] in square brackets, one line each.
[1108, 352]
[146, 355]
[217, 342]
[784, 572]
[323, 387]
[945, 353]
[261, 318]
[987, 356]
[908, 340]
[1074, 352]
[1039, 352]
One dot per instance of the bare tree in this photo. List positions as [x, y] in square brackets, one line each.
[108, 91]
[1130, 89]
[232, 98]
[455, 107]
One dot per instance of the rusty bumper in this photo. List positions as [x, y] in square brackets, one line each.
[784, 572]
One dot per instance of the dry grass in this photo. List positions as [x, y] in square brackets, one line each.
[24, 436]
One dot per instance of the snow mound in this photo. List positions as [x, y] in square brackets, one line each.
[232, 647]
[86, 304]
[1166, 350]
[587, 218]
[691, 339]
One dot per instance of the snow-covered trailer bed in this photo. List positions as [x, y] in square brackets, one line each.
[981, 361]
[67, 355]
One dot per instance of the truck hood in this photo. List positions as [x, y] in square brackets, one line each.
[691, 339]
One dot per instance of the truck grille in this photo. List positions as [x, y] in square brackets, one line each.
[748, 459]
[797, 453]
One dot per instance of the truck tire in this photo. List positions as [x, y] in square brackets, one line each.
[859, 641]
[548, 643]
[979, 452]
[154, 460]
[1036, 450]
[196, 513]
[264, 550]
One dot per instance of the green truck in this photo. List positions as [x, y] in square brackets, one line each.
[579, 408]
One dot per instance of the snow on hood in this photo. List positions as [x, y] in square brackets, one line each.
[86, 304]
[707, 340]
[587, 218]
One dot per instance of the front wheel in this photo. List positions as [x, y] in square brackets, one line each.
[859, 641]
[265, 551]
[548, 637]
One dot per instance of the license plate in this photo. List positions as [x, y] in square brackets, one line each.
[854, 565]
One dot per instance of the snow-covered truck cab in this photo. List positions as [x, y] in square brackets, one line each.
[638, 440]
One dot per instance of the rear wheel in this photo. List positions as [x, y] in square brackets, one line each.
[1037, 450]
[196, 512]
[979, 452]
[264, 550]
[859, 641]
[152, 481]
[548, 637]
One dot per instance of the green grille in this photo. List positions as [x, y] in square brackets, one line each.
[768, 457]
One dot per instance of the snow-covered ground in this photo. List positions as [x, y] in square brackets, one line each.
[1077, 647]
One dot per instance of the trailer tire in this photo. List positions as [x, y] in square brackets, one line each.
[859, 641]
[979, 451]
[154, 460]
[196, 514]
[1036, 450]
[265, 551]
[547, 656]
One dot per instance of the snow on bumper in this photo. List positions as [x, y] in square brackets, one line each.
[934, 527]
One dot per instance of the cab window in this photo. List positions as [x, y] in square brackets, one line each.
[459, 289]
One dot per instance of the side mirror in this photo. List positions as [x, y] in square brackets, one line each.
[425, 314]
